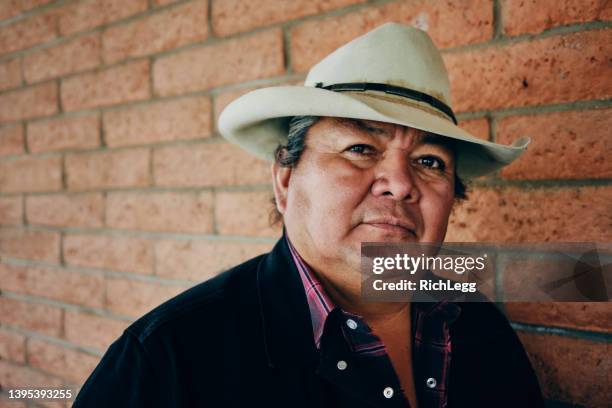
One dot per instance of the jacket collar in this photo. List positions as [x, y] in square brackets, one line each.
[284, 310]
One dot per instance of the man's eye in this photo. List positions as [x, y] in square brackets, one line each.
[431, 162]
[361, 149]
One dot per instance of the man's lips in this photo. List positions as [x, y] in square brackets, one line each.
[392, 224]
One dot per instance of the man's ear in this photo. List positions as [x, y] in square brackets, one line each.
[280, 183]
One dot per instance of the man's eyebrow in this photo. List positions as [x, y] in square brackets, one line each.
[373, 129]
[364, 126]
[434, 139]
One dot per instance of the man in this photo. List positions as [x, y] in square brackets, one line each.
[367, 150]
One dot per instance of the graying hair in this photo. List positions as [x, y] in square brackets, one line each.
[289, 155]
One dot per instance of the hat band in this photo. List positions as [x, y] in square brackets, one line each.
[392, 90]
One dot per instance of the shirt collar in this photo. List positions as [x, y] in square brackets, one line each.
[321, 305]
[319, 302]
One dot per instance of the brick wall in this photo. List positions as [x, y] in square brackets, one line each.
[117, 192]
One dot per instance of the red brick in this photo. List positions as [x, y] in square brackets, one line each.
[449, 23]
[72, 132]
[232, 16]
[11, 8]
[108, 169]
[31, 316]
[564, 145]
[540, 215]
[536, 16]
[18, 376]
[65, 286]
[118, 84]
[245, 213]
[186, 118]
[66, 403]
[87, 14]
[59, 403]
[27, 33]
[35, 245]
[257, 56]
[11, 140]
[571, 370]
[74, 210]
[213, 164]
[11, 211]
[117, 253]
[89, 330]
[164, 2]
[28, 103]
[167, 29]
[5, 400]
[594, 316]
[564, 68]
[30, 4]
[477, 127]
[30, 174]
[135, 298]
[12, 346]
[75, 55]
[72, 365]
[14, 278]
[10, 74]
[198, 260]
[178, 212]
[49, 403]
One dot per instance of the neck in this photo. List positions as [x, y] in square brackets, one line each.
[342, 284]
[346, 293]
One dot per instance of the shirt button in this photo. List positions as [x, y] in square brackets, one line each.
[431, 382]
[351, 324]
[388, 392]
[341, 365]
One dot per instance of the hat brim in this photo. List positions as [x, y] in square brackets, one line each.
[258, 122]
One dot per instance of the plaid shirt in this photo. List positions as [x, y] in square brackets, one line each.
[431, 340]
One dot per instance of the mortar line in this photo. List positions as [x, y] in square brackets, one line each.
[67, 306]
[287, 51]
[498, 23]
[209, 18]
[564, 332]
[58, 341]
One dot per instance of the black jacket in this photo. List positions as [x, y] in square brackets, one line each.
[244, 339]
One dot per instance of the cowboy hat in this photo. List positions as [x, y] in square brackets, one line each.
[392, 74]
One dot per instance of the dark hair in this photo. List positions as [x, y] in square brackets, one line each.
[289, 156]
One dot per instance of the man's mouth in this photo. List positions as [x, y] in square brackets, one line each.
[392, 224]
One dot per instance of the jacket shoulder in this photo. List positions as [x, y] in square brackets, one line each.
[160, 357]
[204, 302]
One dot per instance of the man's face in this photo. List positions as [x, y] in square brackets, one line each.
[364, 181]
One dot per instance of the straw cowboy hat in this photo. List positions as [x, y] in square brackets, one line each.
[392, 74]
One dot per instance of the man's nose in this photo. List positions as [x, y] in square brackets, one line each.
[395, 177]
